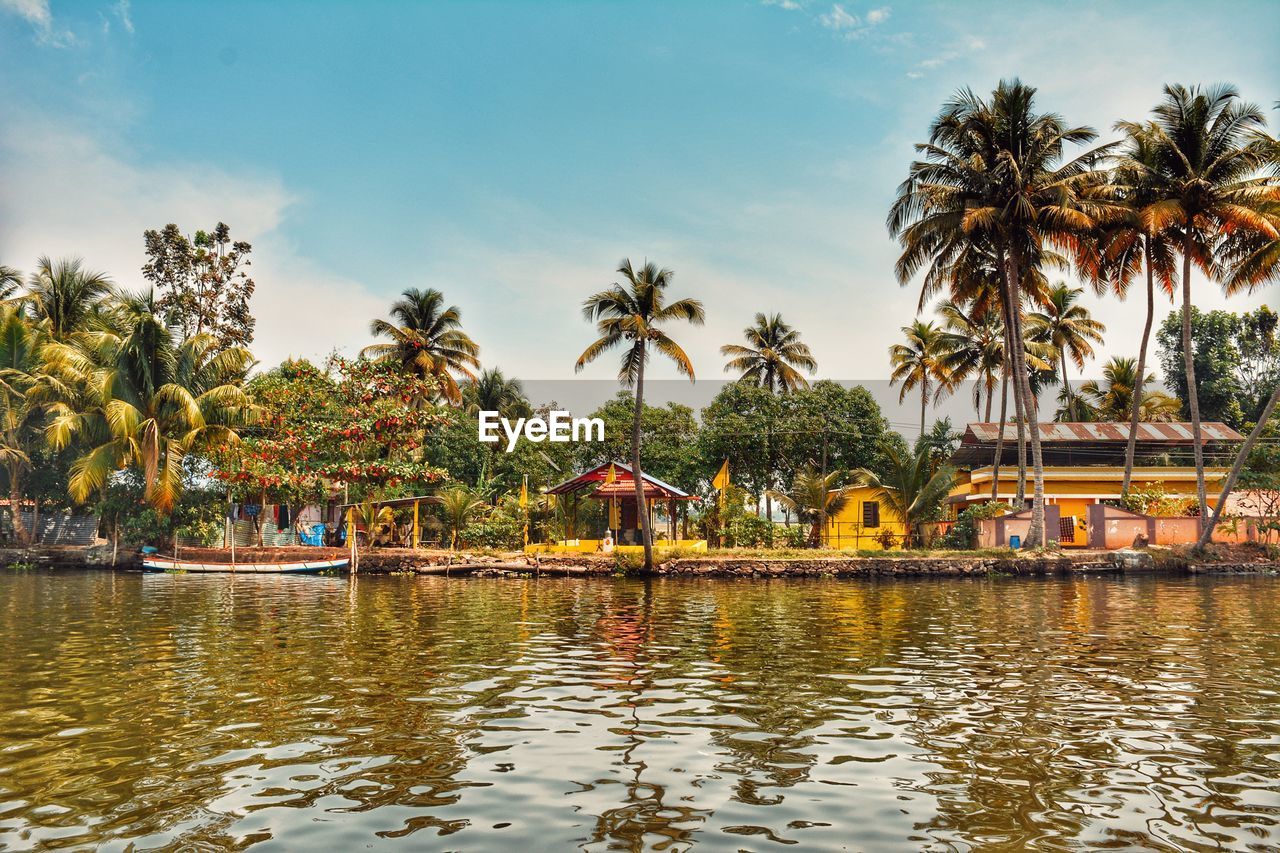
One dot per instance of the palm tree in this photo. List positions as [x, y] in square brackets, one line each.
[911, 486]
[1112, 398]
[492, 391]
[427, 337]
[993, 182]
[1069, 329]
[919, 362]
[1207, 183]
[772, 355]
[1134, 243]
[21, 370]
[973, 348]
[629, 315]
[10, 281]
[812, 498]
[148, 401]
[458, 506]
[66, 295]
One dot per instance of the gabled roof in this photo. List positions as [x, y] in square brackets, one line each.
[1099, 443]
[622, 487]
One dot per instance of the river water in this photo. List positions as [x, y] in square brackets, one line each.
[283, 712]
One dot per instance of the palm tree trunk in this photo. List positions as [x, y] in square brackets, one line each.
[20, 533]
[1193, 394]
[990, 393]
[1066, 385]
[924, 404]
[1242, 455]
[1135, 410]
[642, 511]
[1011, 346]
[1004, 406]
[1036, 532]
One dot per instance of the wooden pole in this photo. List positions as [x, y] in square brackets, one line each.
[416, 538]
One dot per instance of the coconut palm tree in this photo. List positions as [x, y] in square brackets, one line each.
[1208, 184]
[148, 401]
[427, 337]
[492, 391]
[1069, 329]
[1112, 398]
[10, 281]
[920, 363]
[993, 181]
[66, 295]
[773, 356]
[21, 376]
[911, 487]
[459, 505]
[812, 498]
[1135, 243]
[973, 348]
[629, 315]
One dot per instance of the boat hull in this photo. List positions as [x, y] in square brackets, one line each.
[166, 564]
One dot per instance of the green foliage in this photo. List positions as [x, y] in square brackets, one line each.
[963, 534]
[1237, 361]
[748, 530]
[668, 441]
[497, 531]
[1154, 499]
[125, 514]
[203, 282]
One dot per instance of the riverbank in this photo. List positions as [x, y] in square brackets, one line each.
[1236, 559]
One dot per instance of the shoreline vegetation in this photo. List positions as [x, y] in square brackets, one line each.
[148, 410]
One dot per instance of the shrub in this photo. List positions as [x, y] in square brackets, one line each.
[964, 533]
[1155, 500]
[496, 531]
[750, 531]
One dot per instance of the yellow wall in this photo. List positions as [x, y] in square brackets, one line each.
[1087, 483]
[845, 529]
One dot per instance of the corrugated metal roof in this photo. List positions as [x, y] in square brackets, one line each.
[1173, 433]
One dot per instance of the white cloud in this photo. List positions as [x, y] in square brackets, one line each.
[879, 16]
[838, 19]
[789, 5]
[121, 11]
[68, 195]
[37, 13]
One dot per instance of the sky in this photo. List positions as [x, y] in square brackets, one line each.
[511, 154]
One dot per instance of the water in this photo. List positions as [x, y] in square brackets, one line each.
[293, 712]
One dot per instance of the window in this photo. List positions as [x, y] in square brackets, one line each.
[871, 513]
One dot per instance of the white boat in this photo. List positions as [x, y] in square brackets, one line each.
[169, 564]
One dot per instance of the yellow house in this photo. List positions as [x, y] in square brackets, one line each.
[1084, 466]
[865, 523]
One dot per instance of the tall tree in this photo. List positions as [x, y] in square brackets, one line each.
[150, 401]
[1070, 330]
[919, 363]
[1112, 398]
[773, 356]
[21, 378]
[1209, 184]
[65, 295]
[203, 282]
[973, 347]
[630, 315]
[492, 391]
[994, 180]
[10, 281]
[427, 337]
[1136, 241]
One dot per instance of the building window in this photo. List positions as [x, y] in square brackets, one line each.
[870, 513]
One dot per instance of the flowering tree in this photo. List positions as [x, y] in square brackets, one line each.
[359, 423]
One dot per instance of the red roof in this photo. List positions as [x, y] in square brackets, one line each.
[622, 487]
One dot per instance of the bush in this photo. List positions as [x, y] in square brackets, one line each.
[750, 531]
[964, 533]
[496, 531]
[792, 536]
[1154, 500]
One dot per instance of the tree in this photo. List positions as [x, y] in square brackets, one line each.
[1208, 186]
[491, 391]
[993, 188]
[1136, 241]
[910, 487]
[772, 355]
[940, 442]
[973, 348]
[149, 401]
[919, 362]
[427, 338]
[668, 440]
[357, 423]
[1219, 391]
[21, 370]
[1233, 476]
[65, 295]
[203, 282]
[629, 315]
[1070, 330]
[10, 281]
[813, 498]
[458, 506]
[1112, 398]
[744, 424]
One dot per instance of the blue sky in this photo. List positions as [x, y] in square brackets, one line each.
[511, 153]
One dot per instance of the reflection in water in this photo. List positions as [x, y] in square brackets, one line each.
[167, 710]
